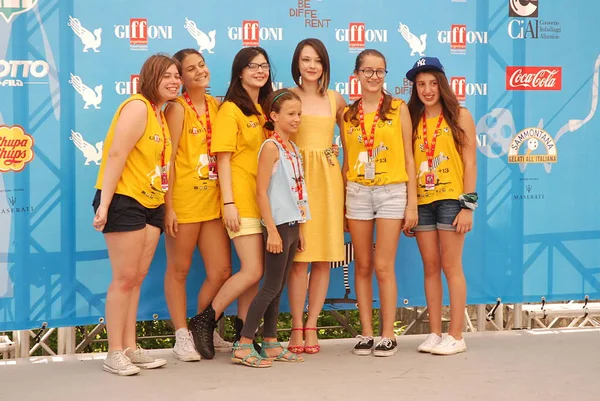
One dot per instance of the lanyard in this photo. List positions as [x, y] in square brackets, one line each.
[430, 151]
[164, 136]
[212, 165]
[369, 141]
[297, 177]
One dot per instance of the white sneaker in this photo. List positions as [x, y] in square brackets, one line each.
[449, 346]
[140, 357]
[116, 362]
[220, 344]
[184, 346]
[430, 342]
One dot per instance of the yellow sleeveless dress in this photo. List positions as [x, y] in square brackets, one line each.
[324, 232]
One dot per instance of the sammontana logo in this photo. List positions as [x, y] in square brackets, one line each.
[532, 137]
[9, 9]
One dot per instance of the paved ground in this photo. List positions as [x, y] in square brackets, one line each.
[514, 366]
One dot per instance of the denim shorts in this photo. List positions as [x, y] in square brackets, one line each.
[438, 215]
[365, 202]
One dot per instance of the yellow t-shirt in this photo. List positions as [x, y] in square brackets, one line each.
[195, 197]
[242, 136]
[141, 177]
[447, 163]
[388, 149]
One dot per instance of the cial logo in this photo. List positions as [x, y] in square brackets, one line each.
[139, 33]
[90, 97]
[462, 88]
[458, 37]
[90, 40]
[310, 15]
[524, 22]
[523, 8]
[9, 9]
[533, 78]
[16, 148]
[417, 44]
[204, 40]
[128, 87]
[357, 35]
[23, 72]
[539, 147]
[251, 33]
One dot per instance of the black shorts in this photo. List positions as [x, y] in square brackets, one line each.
[127, 214]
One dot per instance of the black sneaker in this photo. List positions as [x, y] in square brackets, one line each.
[202, 327]
[364, 346]
[386, 347]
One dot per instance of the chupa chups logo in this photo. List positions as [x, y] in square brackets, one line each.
[251, 33]
[16, 148]
[138, 32]
[20, 72]
[462, 88]
[533, 137]
[9, 9]
[128, 87]
[533, 78]
[523, 8]
[458, 36]
[357, 36]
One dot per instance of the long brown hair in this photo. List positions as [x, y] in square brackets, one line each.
[386, 107]
[236, 92]
[450, 108]
[152, 73]
[319, 47]
[180, 56]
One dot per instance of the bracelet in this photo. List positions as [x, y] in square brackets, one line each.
[468, 201]
[228, 203]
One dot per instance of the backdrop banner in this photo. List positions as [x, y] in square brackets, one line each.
[526, 69]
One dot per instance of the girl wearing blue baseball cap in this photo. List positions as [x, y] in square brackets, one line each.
[444, 146]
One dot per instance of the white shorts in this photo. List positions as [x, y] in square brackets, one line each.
[375, 202]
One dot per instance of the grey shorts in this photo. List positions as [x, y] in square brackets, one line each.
[438, 215]
[375, 202]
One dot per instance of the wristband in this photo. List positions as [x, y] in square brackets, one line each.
[468, 201]
[228, 203]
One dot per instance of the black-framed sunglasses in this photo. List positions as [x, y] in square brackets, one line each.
[369, 73]
[256, 66]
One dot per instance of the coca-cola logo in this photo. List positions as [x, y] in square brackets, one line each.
[534, 78]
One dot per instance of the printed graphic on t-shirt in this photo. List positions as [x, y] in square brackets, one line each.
[441, 168]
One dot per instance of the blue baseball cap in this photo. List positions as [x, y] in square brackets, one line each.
[425, 64]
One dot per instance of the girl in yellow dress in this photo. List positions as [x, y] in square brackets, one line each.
[324, 233]
[193, 207]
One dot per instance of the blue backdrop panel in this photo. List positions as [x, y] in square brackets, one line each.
[527, 70]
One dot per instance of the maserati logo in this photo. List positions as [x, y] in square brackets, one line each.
[9, 9]
[529, 187]
[12, 200]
